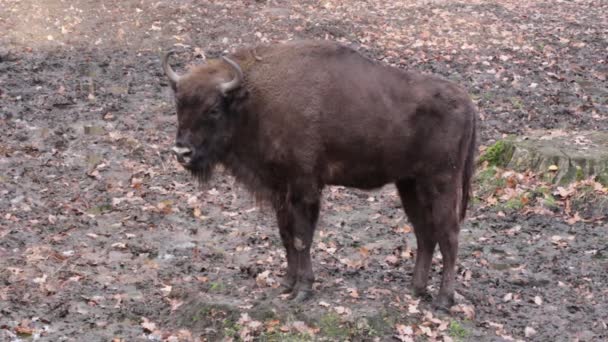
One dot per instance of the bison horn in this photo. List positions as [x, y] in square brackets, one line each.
[229, 86]
[173, 76]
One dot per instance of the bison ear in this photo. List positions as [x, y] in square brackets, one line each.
[229, 86]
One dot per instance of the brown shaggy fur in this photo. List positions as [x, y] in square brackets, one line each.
[313, 113]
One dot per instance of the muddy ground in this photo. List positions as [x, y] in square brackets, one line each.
[104, 237]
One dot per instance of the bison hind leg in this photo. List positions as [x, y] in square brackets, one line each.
[417, 213]
[431, 205]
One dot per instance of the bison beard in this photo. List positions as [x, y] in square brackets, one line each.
[287, 120]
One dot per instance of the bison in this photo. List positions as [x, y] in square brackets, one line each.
[288, 119]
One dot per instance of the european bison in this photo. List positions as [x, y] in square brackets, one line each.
[290, 118]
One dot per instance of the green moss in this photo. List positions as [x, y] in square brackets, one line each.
[498, 154]
[544, 196]
[332, 327]
[100, 209]
[201, 314]
[580, 175]
[487, 182]
[384, 322]
[516, 203]
[363, 328]
[540, 46]
[517, 103]
[457, 331]
[278, 336]
[602, 178]
[487, 174]
[488, 95]
[550, 202]
[216, 287]
[231, 328]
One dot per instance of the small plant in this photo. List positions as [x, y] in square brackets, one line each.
[332, 327]
[580, 175]
[488, 181]
[278, 336]
[517, 202]
[201, 314]
[516, 102]
[550, 202]
[216, 287]
[457, 331]
[231, 328]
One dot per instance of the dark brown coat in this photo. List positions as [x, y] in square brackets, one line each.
[302, 115]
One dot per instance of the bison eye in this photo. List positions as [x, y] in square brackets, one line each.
[214, 114]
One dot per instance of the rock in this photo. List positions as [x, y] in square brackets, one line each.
[559, 157]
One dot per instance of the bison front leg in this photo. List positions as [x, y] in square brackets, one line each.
[285, 222]
[305, 211]
[297, 215]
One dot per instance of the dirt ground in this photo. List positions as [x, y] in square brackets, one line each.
[104, 237]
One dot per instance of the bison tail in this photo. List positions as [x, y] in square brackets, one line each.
[467, 174]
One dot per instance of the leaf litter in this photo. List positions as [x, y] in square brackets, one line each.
[101, 224]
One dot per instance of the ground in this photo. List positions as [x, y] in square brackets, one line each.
[104, 237]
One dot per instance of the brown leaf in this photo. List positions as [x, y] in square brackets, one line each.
[574, 219]
[529, 332]
[392, 260]
[23, 330]
[467, 310]
[148, 325]
[271, 325]
[406, 229]
[264, 279]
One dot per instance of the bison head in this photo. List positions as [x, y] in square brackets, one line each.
[205, 122]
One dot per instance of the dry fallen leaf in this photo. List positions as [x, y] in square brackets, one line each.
[392, 260]
[404, 333]
[264, 279]
[529, 332]
[23, 330]
[148, 325]
[467, 310]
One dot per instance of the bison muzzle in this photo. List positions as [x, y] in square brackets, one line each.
[288, 119]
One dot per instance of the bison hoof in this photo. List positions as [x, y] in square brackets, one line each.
[423, 294]
[300, 296]
[286, 289]
[288, 285]
[443, 303]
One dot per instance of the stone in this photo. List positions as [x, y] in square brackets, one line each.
[557, 156]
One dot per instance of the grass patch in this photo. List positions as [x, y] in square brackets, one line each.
[230, 328]
[602, 178]
[517, 202]
[488, 181]
[517, 103]
[331, 326]
[216, 287]
[278, 336]
[457, 331]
